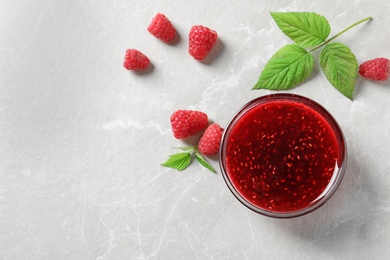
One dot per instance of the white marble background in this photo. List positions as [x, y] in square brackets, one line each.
[82, 139]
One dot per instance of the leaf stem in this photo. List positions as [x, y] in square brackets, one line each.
[340, 33]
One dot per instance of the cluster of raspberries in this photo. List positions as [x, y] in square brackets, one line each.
[201, 41]
[186, 123]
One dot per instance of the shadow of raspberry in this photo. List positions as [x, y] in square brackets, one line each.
[214, 53]
[145, 71]
[175, 40]
[363, 85]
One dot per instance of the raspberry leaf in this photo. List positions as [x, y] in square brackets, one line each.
[202, 160]
[289, 66]
[178, 161]
[340, 67]
[305, 28]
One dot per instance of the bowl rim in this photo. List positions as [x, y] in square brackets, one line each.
[337, 175]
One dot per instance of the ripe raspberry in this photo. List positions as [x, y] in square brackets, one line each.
[211, 139]
[162, 28]
[187, 122]
[135, 60]
[376, 69]
[201, 41]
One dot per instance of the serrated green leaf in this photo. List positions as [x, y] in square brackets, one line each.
[340, 67]
[200, 158]
[178, 161]
[188, 149]
[305, 28]
[288, 67]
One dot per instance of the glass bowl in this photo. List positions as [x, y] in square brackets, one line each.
[283, 155]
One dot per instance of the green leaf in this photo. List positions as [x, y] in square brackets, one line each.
[304, 28]
[288, 67]
[340, 67]
[188, 149]
[178, 161]
[200, 158]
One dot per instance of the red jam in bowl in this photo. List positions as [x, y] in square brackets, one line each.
[283, 155]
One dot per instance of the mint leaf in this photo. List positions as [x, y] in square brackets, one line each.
[288, 67]
[200, 158]
[188, 149]
[304, 28]
[178, 161]
[340, 67]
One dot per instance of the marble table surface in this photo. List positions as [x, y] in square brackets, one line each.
[82, 139]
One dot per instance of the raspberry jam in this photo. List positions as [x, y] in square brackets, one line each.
[283, 155]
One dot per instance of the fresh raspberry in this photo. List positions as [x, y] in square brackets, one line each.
[162, 28]
[201, 41]
[188, 122]
[135, 60]
[376, 69]
[211, 139]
